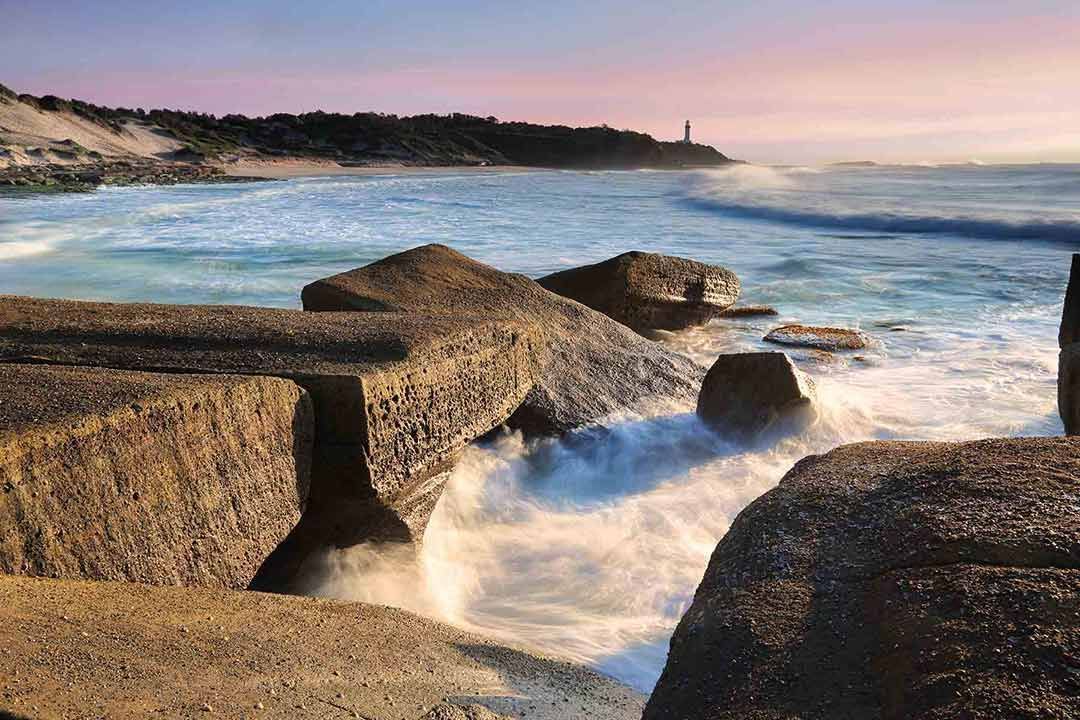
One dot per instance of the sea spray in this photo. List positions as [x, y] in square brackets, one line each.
[588, 547]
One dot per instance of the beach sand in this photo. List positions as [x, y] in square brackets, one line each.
[283, 168]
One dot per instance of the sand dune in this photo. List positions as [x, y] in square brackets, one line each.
[30, 136]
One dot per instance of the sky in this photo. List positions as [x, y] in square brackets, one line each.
[776, 81]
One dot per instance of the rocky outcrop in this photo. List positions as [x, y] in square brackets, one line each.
[821, 338]
[167, 479]
[892, 580]
[1069, 358]
[745, 394]
[80, 649]
[395, 396]
[646, 291]
[591, 366]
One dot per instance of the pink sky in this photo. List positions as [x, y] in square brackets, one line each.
[779, 81]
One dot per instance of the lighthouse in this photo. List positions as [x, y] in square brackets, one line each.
[686, 137]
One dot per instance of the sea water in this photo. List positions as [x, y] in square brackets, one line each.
[590, 547]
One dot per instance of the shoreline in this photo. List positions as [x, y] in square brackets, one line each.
[287, 168]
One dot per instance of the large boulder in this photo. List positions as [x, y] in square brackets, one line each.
[71, 649]
[396, 396]
[1069, 358]
[167, 479]
[820, 338]
[745, 394]
[592, 366]
[892, 580]
[647, 291]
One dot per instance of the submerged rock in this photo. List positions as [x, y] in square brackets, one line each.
[396, 396]
[592, 366]
[137, 651]
[747, 393]
[736, 311]
[892, 580]
[647, 291]
[146, 477]
[822, 338]
[1069, 358]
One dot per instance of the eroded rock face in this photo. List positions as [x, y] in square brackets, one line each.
[1069, 359]
[592, 366]
[822, 338]
[137, 651]
[647, 291]
[892, 580]
[745, 394]
[396, 396]
[145, 477]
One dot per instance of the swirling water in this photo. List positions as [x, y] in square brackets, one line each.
[591, 546]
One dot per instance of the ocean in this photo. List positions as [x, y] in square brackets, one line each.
[591, 546]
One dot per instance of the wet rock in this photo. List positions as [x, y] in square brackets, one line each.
[892, 580]
[747, 393]
[146, 477]
[647, 291]
[592, 366]
[395, 396]
[738, 311]
[822, 338]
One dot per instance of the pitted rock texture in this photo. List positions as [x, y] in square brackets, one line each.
[745, 394]
[892, 580]
[71, 649]
[396, 395]
[821, 338]
[1069, 359]
[647, 291]
[165, 479]
[592, 366]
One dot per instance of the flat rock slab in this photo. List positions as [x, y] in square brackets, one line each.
[592, 366]
[79, 649]
[892, 580]
[167, 479]
[745, 394]
[647, 291]
[739, 311]
[396, 395]
[821, 338]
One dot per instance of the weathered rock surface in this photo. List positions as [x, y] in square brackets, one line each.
[592, 365]
[893, 580]
[737, 311]
[167, 479]
[80, 649]
[396, 396]
[822, 338]
[746, 393]
[647, 291]
[1069, 359]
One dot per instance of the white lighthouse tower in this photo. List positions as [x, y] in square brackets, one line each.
[686, 137]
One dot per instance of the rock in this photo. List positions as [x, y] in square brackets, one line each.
[822, 338]
[646, 291]
[396, 396]
[747, 393]
[736, 311]
[165, 479]
[592, 365]
[892, 580]
[1069, 359]
[1070, 313]
[273, 649]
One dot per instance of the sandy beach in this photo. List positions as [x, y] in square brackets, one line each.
[285, 168]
